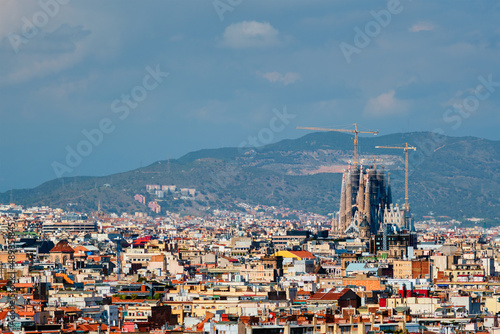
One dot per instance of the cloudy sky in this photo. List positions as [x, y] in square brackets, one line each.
[122, 84]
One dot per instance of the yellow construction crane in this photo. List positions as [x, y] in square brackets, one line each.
[355, 131]
[406, 149]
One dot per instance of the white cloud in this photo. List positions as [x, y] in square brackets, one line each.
[47, 55]
[422, 26]
[43, 67]
[385, 104]
[250, 34]
[12, 13]
[286, 78]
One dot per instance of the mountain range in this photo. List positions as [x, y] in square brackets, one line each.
[456, 177]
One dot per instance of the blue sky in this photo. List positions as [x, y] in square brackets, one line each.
[231, 65]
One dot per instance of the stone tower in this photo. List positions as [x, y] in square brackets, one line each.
[364, 229]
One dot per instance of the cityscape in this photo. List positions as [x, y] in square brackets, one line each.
[237, 167]
[369, 267]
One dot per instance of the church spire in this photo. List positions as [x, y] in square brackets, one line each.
[361, 195]
[348, 198]
[367, 201]
[342, 218]
[389, 190]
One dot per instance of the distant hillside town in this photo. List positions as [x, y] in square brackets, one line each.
[162, 191]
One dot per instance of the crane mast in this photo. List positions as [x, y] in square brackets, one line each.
[406, 148]
[356, 136]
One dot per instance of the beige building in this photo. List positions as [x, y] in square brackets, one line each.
[442, 263]
[4, 258]
[464, 272]
[417, 305]
[138, 313]
[492, 304]
[402, 269]
[143, 258]
[257, 273]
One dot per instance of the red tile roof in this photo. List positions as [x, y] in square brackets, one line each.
[62, 247]
[3, 314]
[331, 295]
[70, 309]
[92, 327]
[80, 249]
[303, 254]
